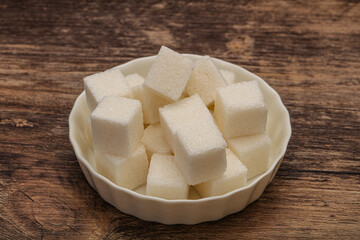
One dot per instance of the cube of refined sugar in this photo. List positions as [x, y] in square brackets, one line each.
[154, 141]
[200, 151]
[193, 136]
[229, 76]
[233, 178]
[150, 102]
[141, 189]
[117, 125]
[253, 151]
[181, 113]
[204, 80]
[240, 109]
[165, 180]
[99, 85]
[128, 172]
[213, 115]
[169, 74]
[134, 80]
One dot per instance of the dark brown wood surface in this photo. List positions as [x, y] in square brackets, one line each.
[309, 51]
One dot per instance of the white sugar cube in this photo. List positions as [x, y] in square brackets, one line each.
[200, 151]
[150, 102]
[229, 76]
[204, 80]
[197, 143]
[128, 172]
[117, 125]
[213, 115]
[169, 74]
[165, 180]
[181, 113]
[240, 109]
[99, 85]
[154, 141]
[134, 80]
[253, 151]
[233, 178]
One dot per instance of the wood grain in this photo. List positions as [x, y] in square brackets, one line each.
[307, 51]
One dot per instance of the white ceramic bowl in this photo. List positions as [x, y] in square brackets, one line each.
[180, 211]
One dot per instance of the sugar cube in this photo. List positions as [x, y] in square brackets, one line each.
[229, 76]
[165, 180]
[140, 189]
[196, 141]
[129, 172]
[181, 113]
[154, 141]
[200, 151]
[99, 85]
[253, 151]
[169, 74]
[150, 102]
[204, 80]
[212, 114]
[240, 109]
[233, 178]
[134, 80]
[117, 125]
[194, 138]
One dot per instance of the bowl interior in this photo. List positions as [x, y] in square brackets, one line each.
[278, 123]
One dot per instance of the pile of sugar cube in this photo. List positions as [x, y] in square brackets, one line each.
[204, 127]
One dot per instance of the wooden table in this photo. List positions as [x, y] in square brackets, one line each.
[308, 52]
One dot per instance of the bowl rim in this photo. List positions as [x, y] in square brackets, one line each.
[93, 172]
